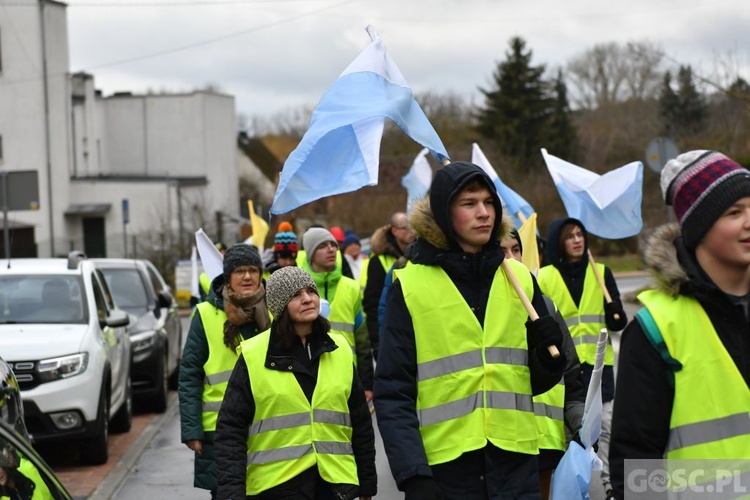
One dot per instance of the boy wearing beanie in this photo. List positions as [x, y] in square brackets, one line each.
[284, 251]
[684, 365]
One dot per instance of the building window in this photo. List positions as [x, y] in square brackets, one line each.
[1, 149]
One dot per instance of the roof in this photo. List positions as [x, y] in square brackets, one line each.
[268, 152]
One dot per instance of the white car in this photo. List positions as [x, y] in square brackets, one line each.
[70, 350]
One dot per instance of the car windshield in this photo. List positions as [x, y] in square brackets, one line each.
[127, 289]
[38, 298]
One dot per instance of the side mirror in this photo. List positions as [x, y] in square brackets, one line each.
[118, 318]
[164, 299]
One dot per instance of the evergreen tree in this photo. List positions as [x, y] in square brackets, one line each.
[669, 106]
[692, 105]
[684, 112]
[516, 110]
[562, 138]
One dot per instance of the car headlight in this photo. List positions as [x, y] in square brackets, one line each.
[142, 343]
[62, 367]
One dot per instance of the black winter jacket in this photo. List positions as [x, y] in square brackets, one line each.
[382, 242]
[396, 371]
[238, 409]
[643, 404]
[574, 274]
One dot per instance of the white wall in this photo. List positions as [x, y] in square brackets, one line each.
[22, 111]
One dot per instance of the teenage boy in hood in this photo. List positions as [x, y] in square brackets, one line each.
[459, 361]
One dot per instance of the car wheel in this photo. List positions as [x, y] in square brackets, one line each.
[159, 401]
[95, 450]
[123, 420]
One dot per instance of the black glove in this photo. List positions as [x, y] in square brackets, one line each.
[614, 307]
[577, 439]
[422, 488]
[544, 332]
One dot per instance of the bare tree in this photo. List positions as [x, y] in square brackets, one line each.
[611, 73]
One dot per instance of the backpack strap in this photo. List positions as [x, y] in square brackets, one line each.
[653, 334]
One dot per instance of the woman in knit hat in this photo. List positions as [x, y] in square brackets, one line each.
[684, 367]
[234, 310]
[294, 422]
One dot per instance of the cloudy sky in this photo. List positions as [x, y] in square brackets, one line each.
[277, 55]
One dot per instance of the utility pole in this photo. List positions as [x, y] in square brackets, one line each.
[48, 153]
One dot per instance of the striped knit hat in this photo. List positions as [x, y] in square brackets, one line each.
[702, 185]
[285, 244]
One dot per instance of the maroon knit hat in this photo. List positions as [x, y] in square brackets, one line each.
[702, 185]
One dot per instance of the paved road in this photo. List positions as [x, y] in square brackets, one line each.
[160, 466]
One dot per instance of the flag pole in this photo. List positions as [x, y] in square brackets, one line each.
[607, 296]
[533, 316]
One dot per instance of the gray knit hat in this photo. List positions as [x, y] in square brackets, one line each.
[313, 238]
[701, 185]
[283, 284]
[241, 254]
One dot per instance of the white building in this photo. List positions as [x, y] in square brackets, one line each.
[173, 158]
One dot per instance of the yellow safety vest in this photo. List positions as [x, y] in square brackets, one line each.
[585, 320]
[711, 407]
[289, 435]
[205, 283]
[387, 261]
[549, 409]
[219, 365]
[28, 469]
[363, 275]
[473, 381]
[343, 311]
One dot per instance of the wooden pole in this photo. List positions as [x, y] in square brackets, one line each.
[607, 296]
[526, 303]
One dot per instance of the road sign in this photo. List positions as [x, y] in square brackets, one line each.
[22, 187]
[659, 151]
[125, 211]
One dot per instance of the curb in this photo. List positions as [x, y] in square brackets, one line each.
[112, 482]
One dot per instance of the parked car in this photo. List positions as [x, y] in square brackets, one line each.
[11, 406]
[24, 465]
[155, 329]
[70, 351]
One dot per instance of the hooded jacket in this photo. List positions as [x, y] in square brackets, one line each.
[472, 274]
[573, 274]
[643, 405]
[238, 409]
[382, 242]
[190, 387]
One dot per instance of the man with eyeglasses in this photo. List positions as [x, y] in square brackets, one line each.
[387, 244]
[343, 295]
[570, 282]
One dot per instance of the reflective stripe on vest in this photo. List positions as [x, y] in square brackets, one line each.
[344, 311]
[218, 366]
[288, 434]
[711, 406]
[585, 320]
[549, 411]
[473, 383]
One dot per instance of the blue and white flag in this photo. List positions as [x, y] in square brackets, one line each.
[573, 474]
[608, 205]
[340, 151]
[418, 179]
[513, 203]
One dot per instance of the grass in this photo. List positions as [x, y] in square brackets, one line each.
[621, 263]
